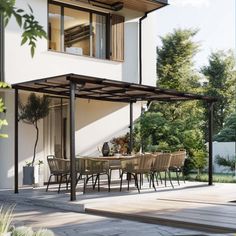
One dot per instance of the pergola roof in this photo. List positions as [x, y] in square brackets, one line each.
[104, 89]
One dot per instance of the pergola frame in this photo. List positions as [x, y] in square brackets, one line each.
[74, 86]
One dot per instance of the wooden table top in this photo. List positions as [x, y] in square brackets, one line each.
[111, 158]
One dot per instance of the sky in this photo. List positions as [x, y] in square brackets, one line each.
[215, 19]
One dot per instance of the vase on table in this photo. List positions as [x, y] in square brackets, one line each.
[105, 149]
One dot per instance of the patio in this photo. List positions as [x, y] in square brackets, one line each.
[74, 86]
[192, 205]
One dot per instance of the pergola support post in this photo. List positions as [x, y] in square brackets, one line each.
[72, 142]
[210, 144]
[16, 143]
[131, 138]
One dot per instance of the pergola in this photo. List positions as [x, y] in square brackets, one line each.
[74, 86]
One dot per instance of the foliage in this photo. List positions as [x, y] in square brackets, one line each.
[3, 122]
[28, 231]
[217, 178]
[200, 160]
[6, 217]
[228, 133]
[227, 162]
[23, 231]
[44, 232]
[175, 60]
[120, 144]
[175, 125]
[31, 27]
[35, 109]
[221, 76]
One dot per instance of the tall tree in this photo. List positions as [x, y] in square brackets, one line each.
[175, 60]
[228, 133]
[221, 76]
[176, 125]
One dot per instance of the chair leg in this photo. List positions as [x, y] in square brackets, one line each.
[109, 182]
[183, 175]
[85, 182]
[136, 182]
[94, 185]
[165, 178]
[78, 179]
[48, 182]
[160, 177]
[121, 179]
[59, 188]
[140, 181]
[156, 175]
[150, 180]
[128, 181]
[170, 179]
[98, 176]
[177, 176]
[153, 182]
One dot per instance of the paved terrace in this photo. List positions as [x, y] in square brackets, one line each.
[192, 205]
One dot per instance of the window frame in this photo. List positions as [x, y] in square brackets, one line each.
[91, 12]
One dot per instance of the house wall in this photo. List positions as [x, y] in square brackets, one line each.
[96, 122]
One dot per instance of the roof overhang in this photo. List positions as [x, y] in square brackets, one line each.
[94, 88]
[139, 5]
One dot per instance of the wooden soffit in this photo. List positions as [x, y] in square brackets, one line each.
[139, 5]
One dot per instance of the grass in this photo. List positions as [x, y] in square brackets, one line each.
[217, 178]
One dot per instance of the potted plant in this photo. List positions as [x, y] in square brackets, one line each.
[35, 109]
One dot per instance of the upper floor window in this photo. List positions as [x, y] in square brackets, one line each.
[85, 32]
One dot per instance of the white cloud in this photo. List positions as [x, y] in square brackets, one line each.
[191, 3]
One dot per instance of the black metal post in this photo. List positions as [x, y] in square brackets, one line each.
[131, 128]
[2, 51]
[210, 147]
[16, 141]
[72, 142]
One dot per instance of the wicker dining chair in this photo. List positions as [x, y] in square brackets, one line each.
[177, 163]
[88, 168]
[135, 166]
[161, 164]
[59, 168]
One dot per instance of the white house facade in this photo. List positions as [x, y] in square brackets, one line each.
[100, 39]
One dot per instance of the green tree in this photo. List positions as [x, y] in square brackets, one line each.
[32, 30]
[221, 77]
[175, 60]
[228, 133]
[34, 110]
[175, 125]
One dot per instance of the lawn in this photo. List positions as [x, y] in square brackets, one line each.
[219, 177]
